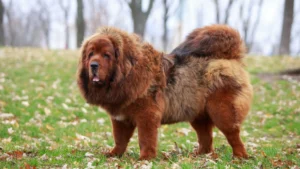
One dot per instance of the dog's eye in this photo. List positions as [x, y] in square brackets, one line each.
[106, 56]
[91, 54]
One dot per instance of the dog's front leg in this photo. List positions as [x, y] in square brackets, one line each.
[147, 124]
[122, 132]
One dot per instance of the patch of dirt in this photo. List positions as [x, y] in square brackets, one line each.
[292, 75]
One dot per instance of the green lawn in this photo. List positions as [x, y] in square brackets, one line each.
[44, 122]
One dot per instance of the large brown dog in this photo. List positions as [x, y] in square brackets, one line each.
[202, 82]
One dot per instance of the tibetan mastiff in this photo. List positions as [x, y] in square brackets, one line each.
[202, 82]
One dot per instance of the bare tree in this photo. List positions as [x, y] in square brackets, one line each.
[170, 7]
[217, 6]
[31, 33]
[22, 28]
[96, 17]
[80, 22]
[177, 38]
[2, 38]
[200, 15]
[288, 17]
[249, 23]
[139, 17]
[226, 14]
[10, 35]
[165, 20]
[45, 20]
[227, 11]
[66, 8]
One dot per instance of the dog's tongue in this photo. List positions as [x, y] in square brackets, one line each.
[95, 79]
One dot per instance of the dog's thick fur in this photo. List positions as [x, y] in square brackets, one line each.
[202, 82]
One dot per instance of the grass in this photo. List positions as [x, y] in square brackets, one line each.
[49, 125]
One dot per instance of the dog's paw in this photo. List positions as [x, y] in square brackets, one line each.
[113, 153]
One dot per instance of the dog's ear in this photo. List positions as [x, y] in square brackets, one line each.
[116, 41]
[83, 81]
[82, 72]
[83, 50]
[168, 63]
[117, 52]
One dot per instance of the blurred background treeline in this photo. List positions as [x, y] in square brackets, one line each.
[269, 27]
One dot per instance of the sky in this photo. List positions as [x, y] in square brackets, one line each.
[196, 13]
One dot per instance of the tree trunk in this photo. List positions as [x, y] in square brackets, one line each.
[288, 17]
[45, 20]
[165, 34]
[255, 25]
[67, 35]
[80, 22]
[139, 17]
[227, 12]
[65, 9]
[2, 38]
[139, 26]
[217, 11]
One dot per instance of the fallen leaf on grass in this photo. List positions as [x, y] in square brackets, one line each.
[49, 127]
[6, 140]
[83, 120]
[47, 111]
[214, 156]
[81, 137]
[279, 163]
[27, 166]
[87, 154]
[59, 157]
[25, 103]
[5, 116]
[90, 165]
[84, 110]
[295, 167]
[166, 155]
[175, 166]
[2, 103]
[65, 166]
[245, 133]
[10, 130]
[183, 131]
[4, 156]
[143, 165]
[252, 144]
[65, 106]
[16, 154]
[100, 121]
[44, 157]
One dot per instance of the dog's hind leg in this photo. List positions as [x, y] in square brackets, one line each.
[203, 127]
[227, 114]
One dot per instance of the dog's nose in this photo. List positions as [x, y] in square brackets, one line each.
[94, 65]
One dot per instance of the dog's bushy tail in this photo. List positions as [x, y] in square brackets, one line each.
[216, 41]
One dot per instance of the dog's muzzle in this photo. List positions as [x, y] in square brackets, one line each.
[94, 66]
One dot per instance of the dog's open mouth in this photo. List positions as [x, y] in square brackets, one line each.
[96, 80]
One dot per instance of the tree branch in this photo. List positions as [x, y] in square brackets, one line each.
[228, 11]
[217, 11]
[150, 7]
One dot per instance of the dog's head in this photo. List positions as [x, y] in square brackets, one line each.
[107, 58]
[99, 57]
